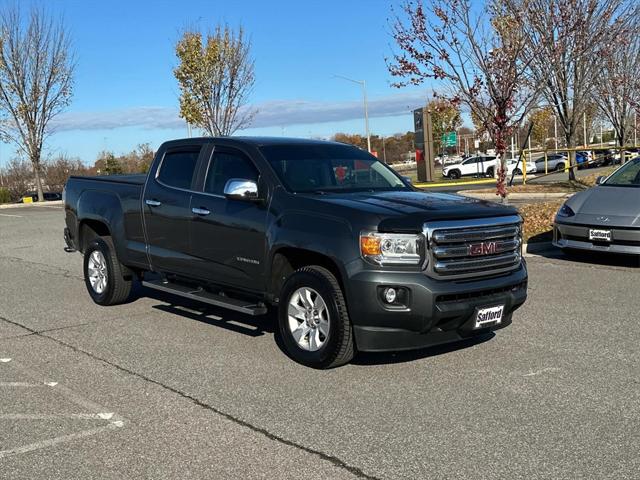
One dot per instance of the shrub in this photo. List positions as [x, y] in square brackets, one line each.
[5, 196]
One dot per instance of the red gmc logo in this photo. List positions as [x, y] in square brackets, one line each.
[484, 248]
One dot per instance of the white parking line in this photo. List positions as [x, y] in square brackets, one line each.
[114, 421]
[21, 384]
[7, 215]
[54, 441]
[55, 416]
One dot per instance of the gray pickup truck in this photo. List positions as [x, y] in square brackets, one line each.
[352, 256]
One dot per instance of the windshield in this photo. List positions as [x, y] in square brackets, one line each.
[626, 176]
[322, 168]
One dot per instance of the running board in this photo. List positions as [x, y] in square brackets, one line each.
[202, 295]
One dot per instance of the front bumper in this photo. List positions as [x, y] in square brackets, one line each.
[437, 311]
[625, 241]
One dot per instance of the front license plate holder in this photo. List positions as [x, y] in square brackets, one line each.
[598, 235]
[488, 316]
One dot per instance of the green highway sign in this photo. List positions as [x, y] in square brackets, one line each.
[450, 139]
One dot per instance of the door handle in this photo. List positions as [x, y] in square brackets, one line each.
[153, 203]
[200, 211]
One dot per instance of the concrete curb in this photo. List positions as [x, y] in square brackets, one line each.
[518, 196]
[54, 203]
[538, 248]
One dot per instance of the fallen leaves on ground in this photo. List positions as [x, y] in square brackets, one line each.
[538, 220]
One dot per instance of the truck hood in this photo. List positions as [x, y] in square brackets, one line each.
[407, 211]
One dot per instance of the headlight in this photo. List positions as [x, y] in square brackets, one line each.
[391, 248]
[565, 211]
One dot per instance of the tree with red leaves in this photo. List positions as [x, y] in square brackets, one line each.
[474, 53]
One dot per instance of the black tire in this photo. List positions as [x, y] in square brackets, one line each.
[338, 347]
[490, 172]
[559, 167]
[454, 174]
[118, 284]
[518, 171]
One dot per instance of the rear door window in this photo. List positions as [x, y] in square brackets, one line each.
[178, 167]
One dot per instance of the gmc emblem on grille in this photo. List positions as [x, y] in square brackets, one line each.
[484, 248]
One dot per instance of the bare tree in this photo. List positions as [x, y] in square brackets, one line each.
[477, 57]
[58, 170]
[566, 42]
[215, 80]
[617, 86]
[19, 178]
[36, 75]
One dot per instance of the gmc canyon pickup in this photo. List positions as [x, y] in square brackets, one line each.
[352, 256]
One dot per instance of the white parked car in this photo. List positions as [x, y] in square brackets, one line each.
[481, 166]
[511, 166]
[478, 166]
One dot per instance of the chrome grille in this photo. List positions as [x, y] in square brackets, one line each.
[473, 248]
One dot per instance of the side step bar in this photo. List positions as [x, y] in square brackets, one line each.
[202, 295]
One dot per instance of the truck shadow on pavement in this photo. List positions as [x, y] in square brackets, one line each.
[604, 259]
[388, 358]
[267, 324]
[219, 317]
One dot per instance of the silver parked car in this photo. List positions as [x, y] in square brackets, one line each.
[604, 218]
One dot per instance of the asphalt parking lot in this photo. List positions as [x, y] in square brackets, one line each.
[161, 388]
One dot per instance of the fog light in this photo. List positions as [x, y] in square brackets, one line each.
[390, 295]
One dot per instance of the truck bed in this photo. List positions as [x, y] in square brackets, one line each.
[137, 179]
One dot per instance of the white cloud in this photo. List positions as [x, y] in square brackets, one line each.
[276, 113]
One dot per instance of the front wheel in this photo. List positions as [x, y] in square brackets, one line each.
[103, 274]
[313, 319]
[490, 171]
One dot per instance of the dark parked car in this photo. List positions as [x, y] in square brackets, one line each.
[48, 196]
[349, 253]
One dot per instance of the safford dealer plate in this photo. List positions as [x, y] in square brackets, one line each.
[489, 316]
[600, 235]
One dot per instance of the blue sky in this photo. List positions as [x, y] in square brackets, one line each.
[125, 92]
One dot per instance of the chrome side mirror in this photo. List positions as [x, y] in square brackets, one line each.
[241, 189]
[600, 180]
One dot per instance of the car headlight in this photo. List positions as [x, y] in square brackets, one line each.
[391, 248]
[565, 211]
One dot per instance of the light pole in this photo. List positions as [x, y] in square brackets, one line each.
[384, 150]
[363, 84]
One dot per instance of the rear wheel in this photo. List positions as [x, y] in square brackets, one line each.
[313, 319]
[559, 167]
[517, 171]
[104, 275]
[490, 171]
[454, 174]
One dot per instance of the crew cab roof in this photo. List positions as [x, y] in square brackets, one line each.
[252, 141]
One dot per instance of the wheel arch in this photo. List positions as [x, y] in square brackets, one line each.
[287, 259]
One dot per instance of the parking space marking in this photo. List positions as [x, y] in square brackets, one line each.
[54, 441]
[7, 215]
[56, 416]
[541, 371]
[95, 412]
[21, 384]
